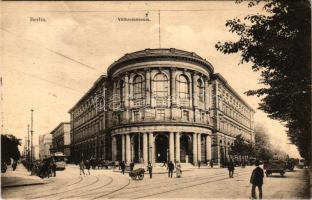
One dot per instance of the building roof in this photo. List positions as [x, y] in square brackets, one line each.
[160, 53]
[102, 77]
[224, 81]
[60, 124]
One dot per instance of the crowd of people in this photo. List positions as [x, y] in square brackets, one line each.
[45, 168]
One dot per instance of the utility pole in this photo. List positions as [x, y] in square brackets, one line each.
[32, 134]
[28, 150]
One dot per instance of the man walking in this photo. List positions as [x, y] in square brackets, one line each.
[123, 167]
[150, 169]
[231, 169]
[211, 163]
[170, 169]
[53, 168]
[256, 180]
[88, 165]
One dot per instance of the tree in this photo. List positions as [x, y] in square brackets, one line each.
[278, 44]
[263, 146]
[9, 148]
[241, 148]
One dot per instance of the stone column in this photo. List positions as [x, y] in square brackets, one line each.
[177, 146]
[145, 149]
[199, 146]
[123, 155]
[114, 149]
[151, 147]
[195, 149]
[148, 87]
[171, 146]
[128, 157]
[208, 147]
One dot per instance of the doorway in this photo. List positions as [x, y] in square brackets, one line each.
[162, 147]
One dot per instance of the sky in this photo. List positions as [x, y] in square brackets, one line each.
[49, 64]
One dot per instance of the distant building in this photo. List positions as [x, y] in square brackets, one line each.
[36, 152]
[61, 139]
[159, 105]
[45, 142]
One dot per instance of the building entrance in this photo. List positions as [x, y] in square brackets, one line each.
[162, 146]
[185, 149]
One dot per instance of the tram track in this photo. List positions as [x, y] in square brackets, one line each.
[137, 189]
[184, 187]
[92, 189]
[73, 189]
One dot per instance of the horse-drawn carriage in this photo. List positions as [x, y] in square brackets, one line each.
[137, 174]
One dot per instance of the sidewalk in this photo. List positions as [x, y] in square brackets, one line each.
[19, 177]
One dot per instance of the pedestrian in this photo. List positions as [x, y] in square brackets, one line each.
[131, 166]
[178, 170]
[150, 169]
[211, 163]
[81, 167]
[14, 165]
[170, 169]
[53, 168]
[256, 180]
[123, 167]
[165, 163]
[198, 163]
[88, 165]
[231, 168]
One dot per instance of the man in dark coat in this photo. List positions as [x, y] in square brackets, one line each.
[256, 180]
[150, 169]
[231, 168]
[170, 169]
[211, 163]
[123, 167]
[87, 164]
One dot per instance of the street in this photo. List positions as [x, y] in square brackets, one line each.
[197, 183]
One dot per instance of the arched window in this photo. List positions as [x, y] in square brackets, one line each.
[183, 87]
[160, 88]
[119, 92]
[138, 87]
[200, 88]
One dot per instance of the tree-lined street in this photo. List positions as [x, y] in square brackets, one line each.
[196, 183]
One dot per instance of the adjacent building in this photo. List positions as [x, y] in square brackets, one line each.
[158, 105]
[61, 139]
[45, 143]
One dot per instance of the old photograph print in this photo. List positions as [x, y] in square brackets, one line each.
[155, 100]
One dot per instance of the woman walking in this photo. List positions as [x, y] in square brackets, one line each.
[81, 167]
[178, 170]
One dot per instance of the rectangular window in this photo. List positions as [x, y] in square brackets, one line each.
[160, 114]
[185, 115]
[136, 115]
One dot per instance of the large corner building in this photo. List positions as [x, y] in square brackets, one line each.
[158, 105]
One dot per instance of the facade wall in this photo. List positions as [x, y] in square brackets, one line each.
[88, 124]
[45, 143]
[61, 138]
[154, 105]
[232, 117]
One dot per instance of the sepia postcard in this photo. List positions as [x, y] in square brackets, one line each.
[155, 99]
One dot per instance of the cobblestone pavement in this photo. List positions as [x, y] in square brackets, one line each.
[198, 183]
